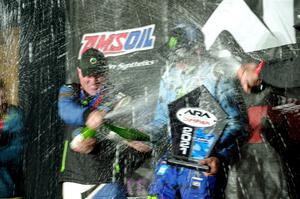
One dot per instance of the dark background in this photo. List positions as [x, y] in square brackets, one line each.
[50, 35]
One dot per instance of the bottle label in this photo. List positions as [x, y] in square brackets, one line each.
[76, 140]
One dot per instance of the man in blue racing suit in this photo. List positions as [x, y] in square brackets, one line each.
[188, 67]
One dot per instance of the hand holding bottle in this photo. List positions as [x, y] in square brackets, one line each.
[95, 119]
[248, 75]
[83, 140]
[85, 146]
[139, 146]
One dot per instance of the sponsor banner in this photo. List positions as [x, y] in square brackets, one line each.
[119, 42]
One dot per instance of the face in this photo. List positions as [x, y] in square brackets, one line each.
[187, 62]
[90, 84]
[181, 64]
[183, 59]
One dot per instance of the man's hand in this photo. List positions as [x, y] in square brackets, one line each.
[85, 146]
[95, 119]
[213, 163]
[139, 146]
[248, 77]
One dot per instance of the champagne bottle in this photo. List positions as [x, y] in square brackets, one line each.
[87, 132]
[261, 86]
[128, 133]
[260, 66]
[80, 134]
[120, 108]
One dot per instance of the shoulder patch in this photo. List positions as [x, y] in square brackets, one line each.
[69, 90]
[67, 94]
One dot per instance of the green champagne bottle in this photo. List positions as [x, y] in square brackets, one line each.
[87, 132]
[81, 134]
[128, 133]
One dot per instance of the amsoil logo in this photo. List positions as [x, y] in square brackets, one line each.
[120, 42]
[196, 117]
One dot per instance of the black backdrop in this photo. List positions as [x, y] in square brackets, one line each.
[42, 71]
[49, 42]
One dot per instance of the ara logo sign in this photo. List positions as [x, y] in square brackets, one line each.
[185, 139]
[196, 117]
[119, 42]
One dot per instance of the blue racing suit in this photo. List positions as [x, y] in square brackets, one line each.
[176, 82]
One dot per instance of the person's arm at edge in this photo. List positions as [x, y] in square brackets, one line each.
[12, 153]
[236, 131]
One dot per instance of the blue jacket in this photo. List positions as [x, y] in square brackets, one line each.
[70, 109]
[11, 152]
[177, 82]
